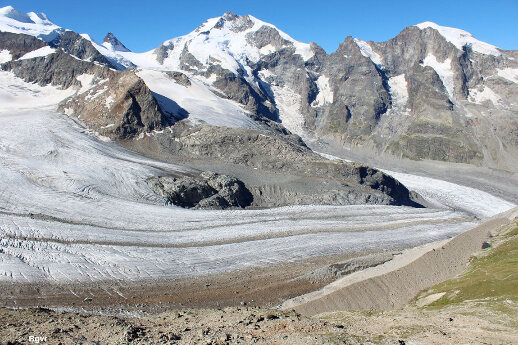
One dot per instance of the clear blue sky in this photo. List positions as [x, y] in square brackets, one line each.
[143, 25]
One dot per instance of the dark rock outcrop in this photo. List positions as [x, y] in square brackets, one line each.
[76, 45]
[207, 191]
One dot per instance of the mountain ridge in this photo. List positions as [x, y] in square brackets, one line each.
[431, 92]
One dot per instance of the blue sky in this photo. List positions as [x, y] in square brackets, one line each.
[143, 25]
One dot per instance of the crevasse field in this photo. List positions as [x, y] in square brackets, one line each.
[76, 208]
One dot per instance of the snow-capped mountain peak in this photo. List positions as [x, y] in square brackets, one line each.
[460, 38]
[14, 14]
[34, 24]
[231, 40]
[112, 42]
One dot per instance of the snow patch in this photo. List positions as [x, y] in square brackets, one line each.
[109, 101]
[510, 74]
[288, 102]
[5, 56]
[43, 51]
[459, 38]
[331, 157]
[200, 103]
[367, 51]
[444, 71]
[486, 94]
[399, 90]
[325, 94]
[86, 82]
[17, 94]
[91, 96]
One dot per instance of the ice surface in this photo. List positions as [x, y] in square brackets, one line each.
[73, 208]
[16, 94]
[484, 95]
[454, 196]
[325, 94]
[288, 103]
[460, 38]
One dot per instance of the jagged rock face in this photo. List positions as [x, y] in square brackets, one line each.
[451, 101]
[114, 43]
[207, 191]
[75, 45]
[19, 45]
[429, 93]
[117, 104]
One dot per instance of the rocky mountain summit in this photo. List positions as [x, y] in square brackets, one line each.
[431, 92]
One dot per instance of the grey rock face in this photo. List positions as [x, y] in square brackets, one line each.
[19, 44]
[179, 78]
[123, 108]
[208, 191]
[77, 46]
[267, 35]
[58, 69]
[236, 23]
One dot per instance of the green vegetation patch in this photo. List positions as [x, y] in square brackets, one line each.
[493, 276]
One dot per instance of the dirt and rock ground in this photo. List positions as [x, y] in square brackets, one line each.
[474, 322]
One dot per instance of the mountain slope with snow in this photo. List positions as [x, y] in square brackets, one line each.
[458, 100]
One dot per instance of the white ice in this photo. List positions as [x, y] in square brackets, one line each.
[5, 56]
[485, 94]
[325, 94]
[454, 196]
